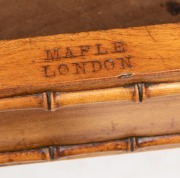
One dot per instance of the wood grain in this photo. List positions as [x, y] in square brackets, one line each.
[88, 123]
[89, 80]
[133, 144]
[90, 60]
[55, 100]
[58, 17]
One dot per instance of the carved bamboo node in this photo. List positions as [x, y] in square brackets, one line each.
[52, 153]
[53, 100]
[133, 144]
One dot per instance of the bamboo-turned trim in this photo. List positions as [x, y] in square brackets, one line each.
[54, 100]
[52, 153]
[129, 93]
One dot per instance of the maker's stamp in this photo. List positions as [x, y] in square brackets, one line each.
[86, 59]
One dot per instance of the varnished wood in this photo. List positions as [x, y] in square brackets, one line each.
[89, 80]
[133, 144]
[90, 60]
[54, 100]
[87, 123]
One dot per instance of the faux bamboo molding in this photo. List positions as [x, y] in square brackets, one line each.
[133, 144]
[54, 100]
[89, 70]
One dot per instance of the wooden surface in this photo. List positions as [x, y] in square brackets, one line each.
[90, 60]
[89, 123]
[32, 18]
[133, 144]
[55, 100]
[98, 92]
[101, 117]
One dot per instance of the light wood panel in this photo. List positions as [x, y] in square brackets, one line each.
[90, 60]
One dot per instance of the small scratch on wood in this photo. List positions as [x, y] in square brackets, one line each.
[124, 76]
[150, 34]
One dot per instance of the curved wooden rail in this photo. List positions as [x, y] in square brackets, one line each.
[54, 100]
[52, 153]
